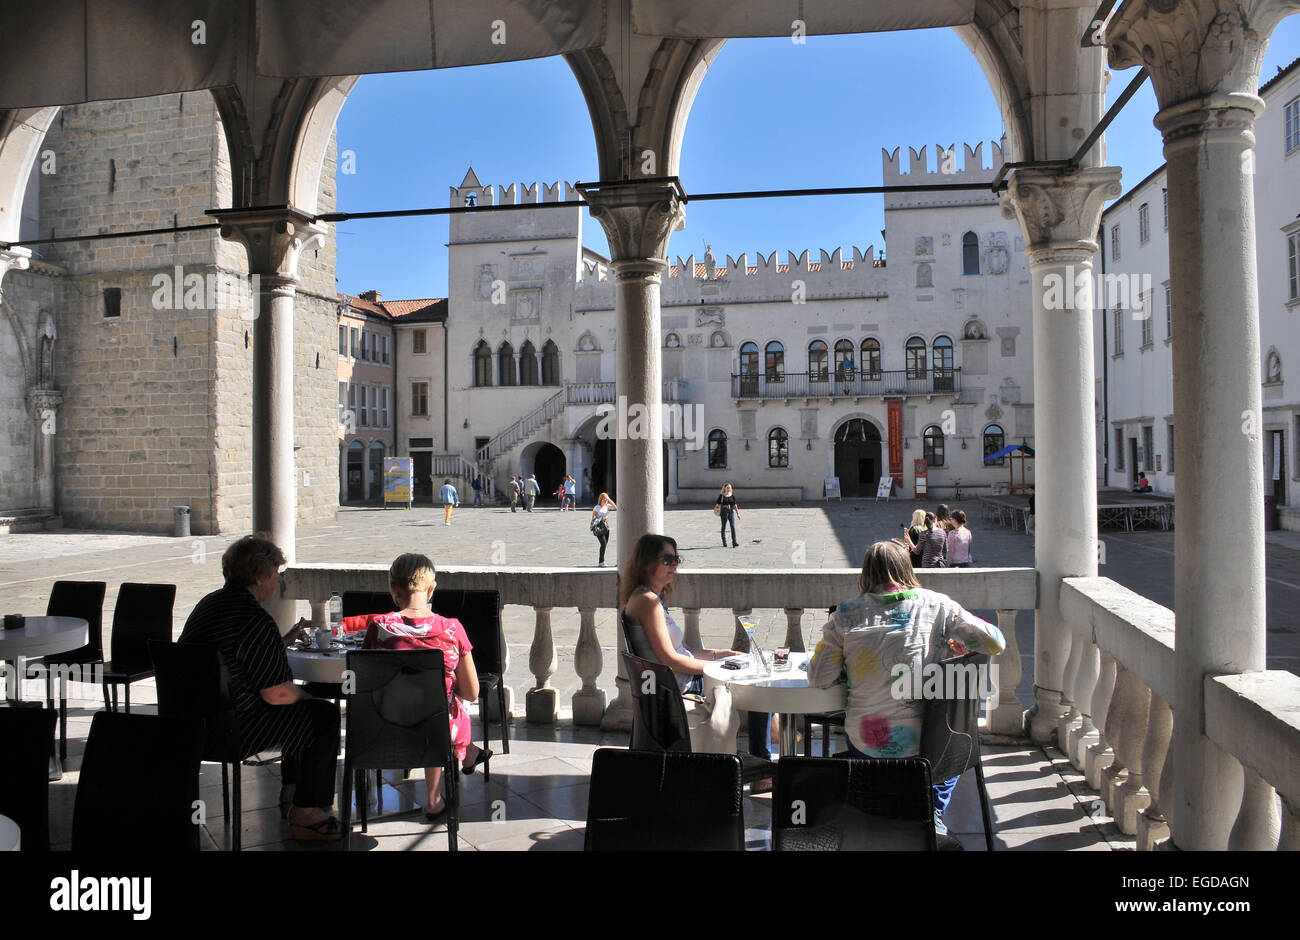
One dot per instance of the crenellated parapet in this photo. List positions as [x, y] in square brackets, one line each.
[945, 170]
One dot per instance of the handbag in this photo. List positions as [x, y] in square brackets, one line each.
[717, 509]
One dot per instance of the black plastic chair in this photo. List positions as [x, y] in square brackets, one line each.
[665, 801]
[397, 719]
[479, 612]
[852, 804]
[950, 738]
[827, 720]
[659, 721]
[143, 612]
[25, 736]
[193, 682]
[83, 599]
[139, 785]
[356, 603]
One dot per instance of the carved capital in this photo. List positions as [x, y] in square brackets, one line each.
[275, 238]
[638, 218]
[1059, 210]
[43, 402]
[1195, 48]
[12, 259]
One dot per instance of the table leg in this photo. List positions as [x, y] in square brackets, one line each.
[787, 746]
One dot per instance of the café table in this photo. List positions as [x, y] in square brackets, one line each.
[38, 636]
[10, 838]
[787, 693]
[314, 665]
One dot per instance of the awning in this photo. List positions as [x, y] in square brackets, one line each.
[1010, 449]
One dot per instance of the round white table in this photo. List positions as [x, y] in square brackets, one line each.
[39, 636]
[10, 838]
[313, 665]
[787, 693]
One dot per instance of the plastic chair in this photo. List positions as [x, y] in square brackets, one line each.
[193, 682]
[143, 612]
[139, 785]
[852, 804]
[397, 719]
[480, 614]
[827, 720]
[950, 738]
[85, 600]
[665, 801]
[659, 721]
[25, 736]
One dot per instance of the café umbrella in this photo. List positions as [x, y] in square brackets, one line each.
[1020, 452]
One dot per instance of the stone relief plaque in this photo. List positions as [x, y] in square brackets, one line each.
[526, 305]
[487, 273]
[527, 268]
[925, 244]
[707, 315]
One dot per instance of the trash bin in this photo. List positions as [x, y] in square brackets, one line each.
[181, 521]
[1271, 515]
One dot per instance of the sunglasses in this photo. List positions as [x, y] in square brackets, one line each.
[671, 560]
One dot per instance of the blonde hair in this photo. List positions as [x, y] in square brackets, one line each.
[601, 498]
[643, 560]
[886, 563]
[725, 487]
[918, 518]
[410, 573]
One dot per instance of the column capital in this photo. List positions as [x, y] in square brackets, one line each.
[12, 258]
[274, 236]
[638, 218]
[1196, 49]
[1059, 209]
[41, 400]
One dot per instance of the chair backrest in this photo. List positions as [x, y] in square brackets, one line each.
[356, 603]
[634, 638]
[193, 681]
[646, 801]
[479, 612]
[139, 784]
[659, 719]
[851, 804]
[142, 612]
[397, 712]
[83, 599]
[25, 738]
[950, 738]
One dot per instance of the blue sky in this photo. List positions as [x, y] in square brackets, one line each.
[769, 115]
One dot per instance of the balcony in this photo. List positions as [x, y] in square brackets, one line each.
[601, 393]
[895, 383]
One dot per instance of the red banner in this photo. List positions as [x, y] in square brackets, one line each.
[896, 442]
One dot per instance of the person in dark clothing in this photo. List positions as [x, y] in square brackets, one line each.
[727, 509]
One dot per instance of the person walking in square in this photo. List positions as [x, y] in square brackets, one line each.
[600, 523]
[512, 493]
[450, 500]
[726, 509]
[531, 489]
[477, 483]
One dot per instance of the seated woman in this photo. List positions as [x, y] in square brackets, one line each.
[416, 627]
[272, 710]
[1142, 485]
[894, 621]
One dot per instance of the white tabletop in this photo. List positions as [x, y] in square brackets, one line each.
[785, 692]
[10, 838]
[317, 665]
[41, 635]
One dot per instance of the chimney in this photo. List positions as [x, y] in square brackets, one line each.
[371, 295]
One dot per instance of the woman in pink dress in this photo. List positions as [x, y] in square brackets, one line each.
[416, 627]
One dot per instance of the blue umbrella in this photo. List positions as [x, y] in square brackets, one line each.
[1010, 449]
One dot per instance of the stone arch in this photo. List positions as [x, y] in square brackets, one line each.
[21, 135]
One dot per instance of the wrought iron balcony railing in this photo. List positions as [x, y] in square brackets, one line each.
[846, 384]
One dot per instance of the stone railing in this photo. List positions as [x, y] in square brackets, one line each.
[1118, 686]
[794, 591]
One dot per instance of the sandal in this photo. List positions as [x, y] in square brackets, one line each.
[763, 785]
[438, 816]
[327, 830]
[482, 757]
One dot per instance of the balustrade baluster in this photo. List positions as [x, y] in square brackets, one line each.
[1259, 821]
[1152, 826]
[739, 641]
[540, 703]
[1130, 798]
[1005, 714]
[691, 632]
[1085, 685]
[589, 701]
[1070, 714]
[1115, 719]
[1289, 839]
[794, 628]
[1097, 752]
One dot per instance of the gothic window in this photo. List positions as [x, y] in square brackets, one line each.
[817, 363]
[774, 362]
[506, 365]
[994, 441]
[550, 364]
[915, 358]
[970, 253]
[482, 365]
[932, 445]
[843, 359]
[943, 364]
[528, 364]
[871, 358]
[778, 448]
[717, 449]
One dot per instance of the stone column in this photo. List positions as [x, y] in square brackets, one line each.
[672, 498]
[275, 240]
[1204, 58]
[638, 218]
[1059, 211]
[43, 406]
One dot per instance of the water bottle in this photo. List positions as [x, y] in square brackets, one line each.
[336, 615]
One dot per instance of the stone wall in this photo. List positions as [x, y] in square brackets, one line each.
[26, 296]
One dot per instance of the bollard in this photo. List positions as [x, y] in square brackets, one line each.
[181, 521]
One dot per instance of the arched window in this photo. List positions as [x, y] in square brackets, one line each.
[970, 253]
[994, 441]
[749, 369]
[844, 359]
[482, 365]
[915, 357]
[550, 364]
[774, 362]
[870, 359]
[932, 445]
[817, 361]
[717, 449]
[506, 365]
[778, 448]
[528, 364]
[942, 364]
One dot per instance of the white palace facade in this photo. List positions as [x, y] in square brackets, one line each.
[778, 372]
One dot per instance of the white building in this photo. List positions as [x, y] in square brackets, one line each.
[777, 373]
[1135, 316]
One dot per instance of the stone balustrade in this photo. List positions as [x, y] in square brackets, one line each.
[795, 591]
[1120, 723]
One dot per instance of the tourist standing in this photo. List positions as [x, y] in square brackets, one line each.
[477, 483]
[571, 492]
[943, 518]
[559, 495]
[728, 511]
[450, 500]
[600, 523]
[959, 543]
[915, 529]
[934, 543]
[531, 489]
[512, 493]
